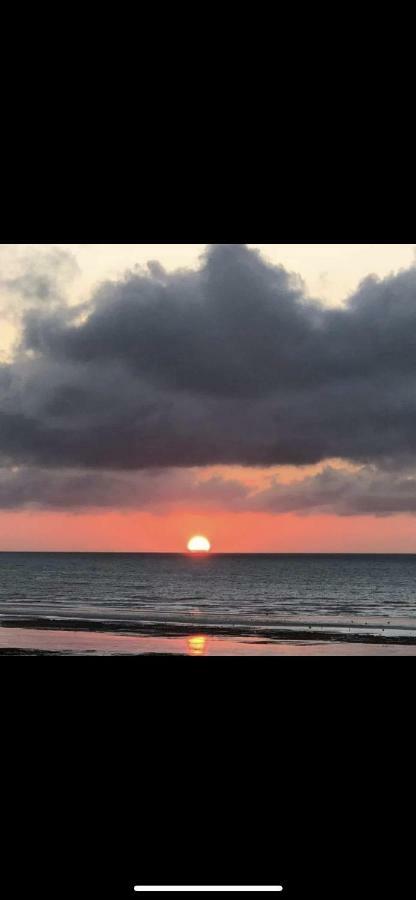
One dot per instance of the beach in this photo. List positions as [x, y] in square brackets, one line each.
[46, 638]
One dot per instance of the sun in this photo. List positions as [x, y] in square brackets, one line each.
[199, 544]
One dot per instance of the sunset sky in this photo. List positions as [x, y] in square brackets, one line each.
[263, 395]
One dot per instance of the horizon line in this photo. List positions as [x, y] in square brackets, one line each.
[214, 553]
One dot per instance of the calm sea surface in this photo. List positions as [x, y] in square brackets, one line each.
[216, 588]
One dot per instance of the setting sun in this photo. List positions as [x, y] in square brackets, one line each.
[199, 544]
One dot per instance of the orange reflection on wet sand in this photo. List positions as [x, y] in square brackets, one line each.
[79, 643]
[197, 645]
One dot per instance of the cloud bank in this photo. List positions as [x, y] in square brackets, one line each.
[345, 493]
[231, 363]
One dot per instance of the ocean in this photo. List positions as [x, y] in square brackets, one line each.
[241, 594]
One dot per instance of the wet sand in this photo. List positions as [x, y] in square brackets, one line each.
[375, 630]
[199, 635]
[63, 642]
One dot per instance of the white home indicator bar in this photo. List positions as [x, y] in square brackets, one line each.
[278, 887]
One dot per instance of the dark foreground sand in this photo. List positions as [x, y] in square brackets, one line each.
[48, 641]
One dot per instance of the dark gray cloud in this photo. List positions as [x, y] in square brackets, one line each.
[230, 363]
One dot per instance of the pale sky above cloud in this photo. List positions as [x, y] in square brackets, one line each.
[330, 270]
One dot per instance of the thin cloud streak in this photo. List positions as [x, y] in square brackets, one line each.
[364, 492]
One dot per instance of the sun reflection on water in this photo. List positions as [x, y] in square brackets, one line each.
[197, 645]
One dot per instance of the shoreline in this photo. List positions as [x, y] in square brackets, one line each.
[39, 638]
[341, 632]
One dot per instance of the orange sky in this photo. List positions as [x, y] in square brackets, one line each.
[229, 532]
